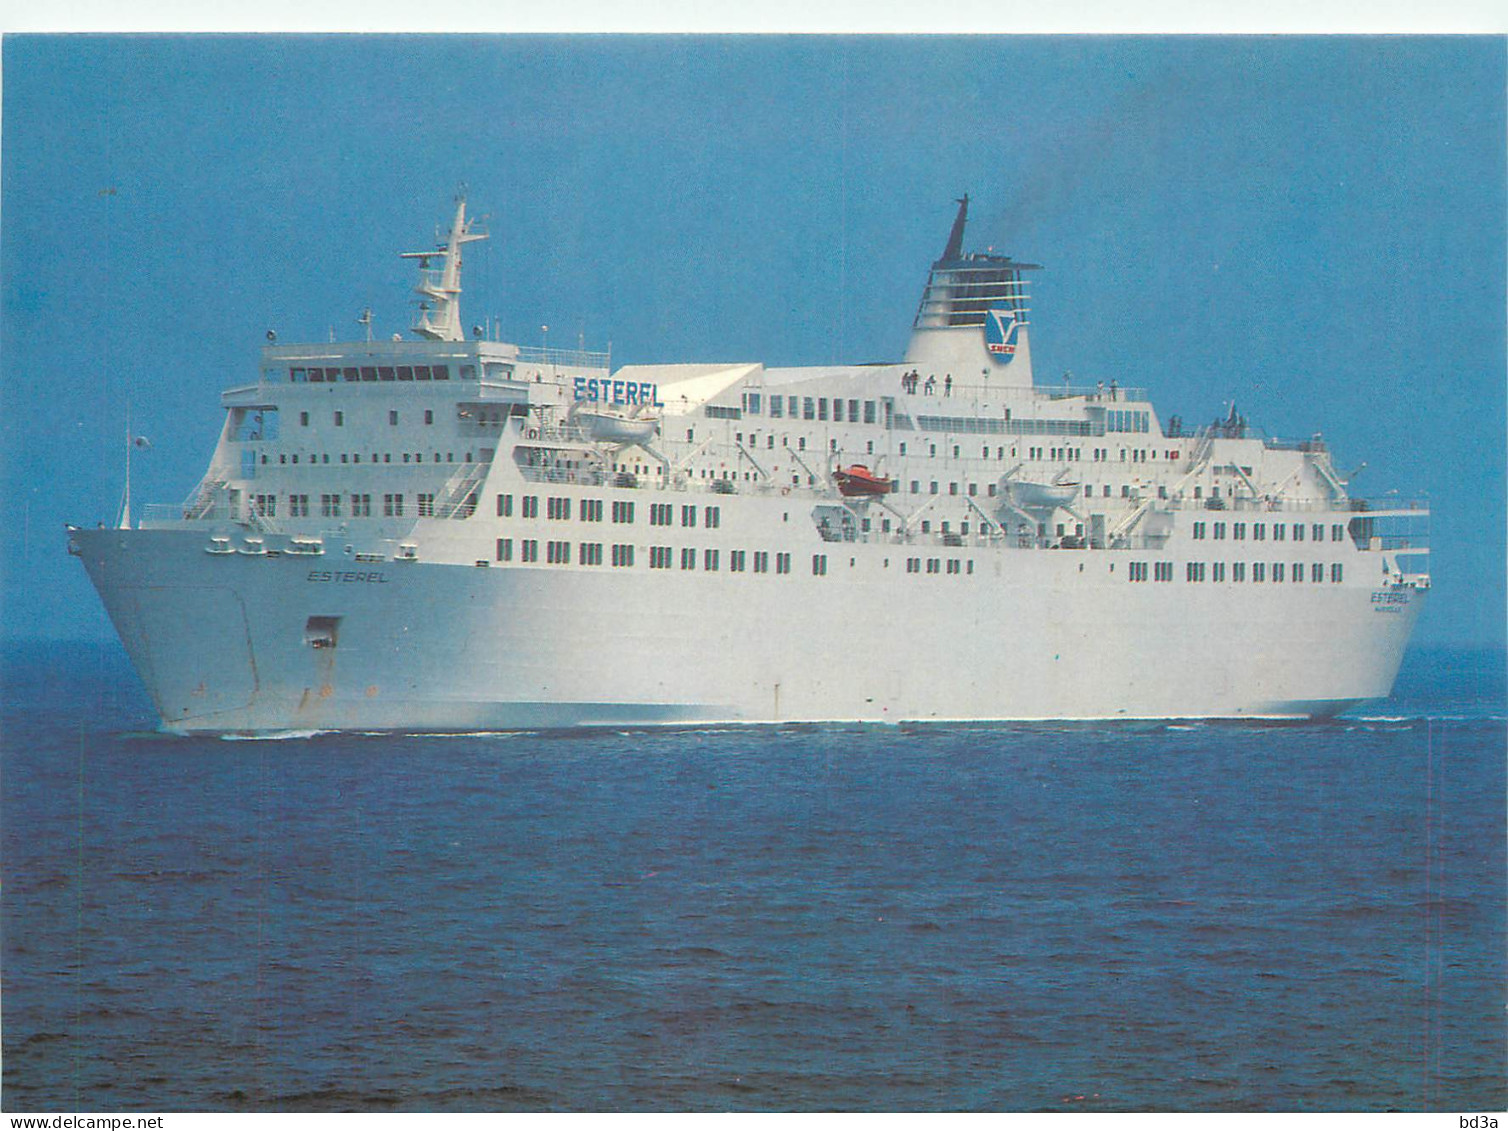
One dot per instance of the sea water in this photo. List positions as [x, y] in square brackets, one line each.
[1031, 917]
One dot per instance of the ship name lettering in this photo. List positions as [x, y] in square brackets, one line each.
[616, 392]
[1390, 597]
[373, 577]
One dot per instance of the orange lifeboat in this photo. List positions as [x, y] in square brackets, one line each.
[859, 481]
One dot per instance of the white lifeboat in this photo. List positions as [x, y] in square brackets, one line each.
[615, 425]
[1043, 496]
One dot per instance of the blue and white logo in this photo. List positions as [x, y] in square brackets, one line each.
[1000, 328]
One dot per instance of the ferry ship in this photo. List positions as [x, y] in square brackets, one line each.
[450, 533]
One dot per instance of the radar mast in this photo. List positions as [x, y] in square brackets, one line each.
[440, 313]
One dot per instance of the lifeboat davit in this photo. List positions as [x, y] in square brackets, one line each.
[859, 481]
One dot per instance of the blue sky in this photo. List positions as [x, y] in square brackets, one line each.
[1313, 227]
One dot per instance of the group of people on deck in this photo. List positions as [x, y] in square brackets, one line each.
[909, 382]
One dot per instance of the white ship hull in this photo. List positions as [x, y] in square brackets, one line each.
[220, 642]
[451, 534]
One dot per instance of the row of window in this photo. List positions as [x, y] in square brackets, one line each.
[286, 458]
[334, 505]
[330, 375]
[985, 424]
[559, 509]
[935, 565]
[559, 553]
[808, 408]
[1216, 571]
[1127, 420]
[1279, 531]
[660, 557]
[338, 417]
[819, 408]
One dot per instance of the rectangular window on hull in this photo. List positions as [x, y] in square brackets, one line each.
[505, 549]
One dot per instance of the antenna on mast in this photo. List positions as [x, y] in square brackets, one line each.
[440, 315]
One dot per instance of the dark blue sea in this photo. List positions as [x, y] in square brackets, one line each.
[1062, 918]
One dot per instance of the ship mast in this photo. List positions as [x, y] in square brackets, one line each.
[440, 312]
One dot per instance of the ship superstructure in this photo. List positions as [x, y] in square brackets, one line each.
[460, 533]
